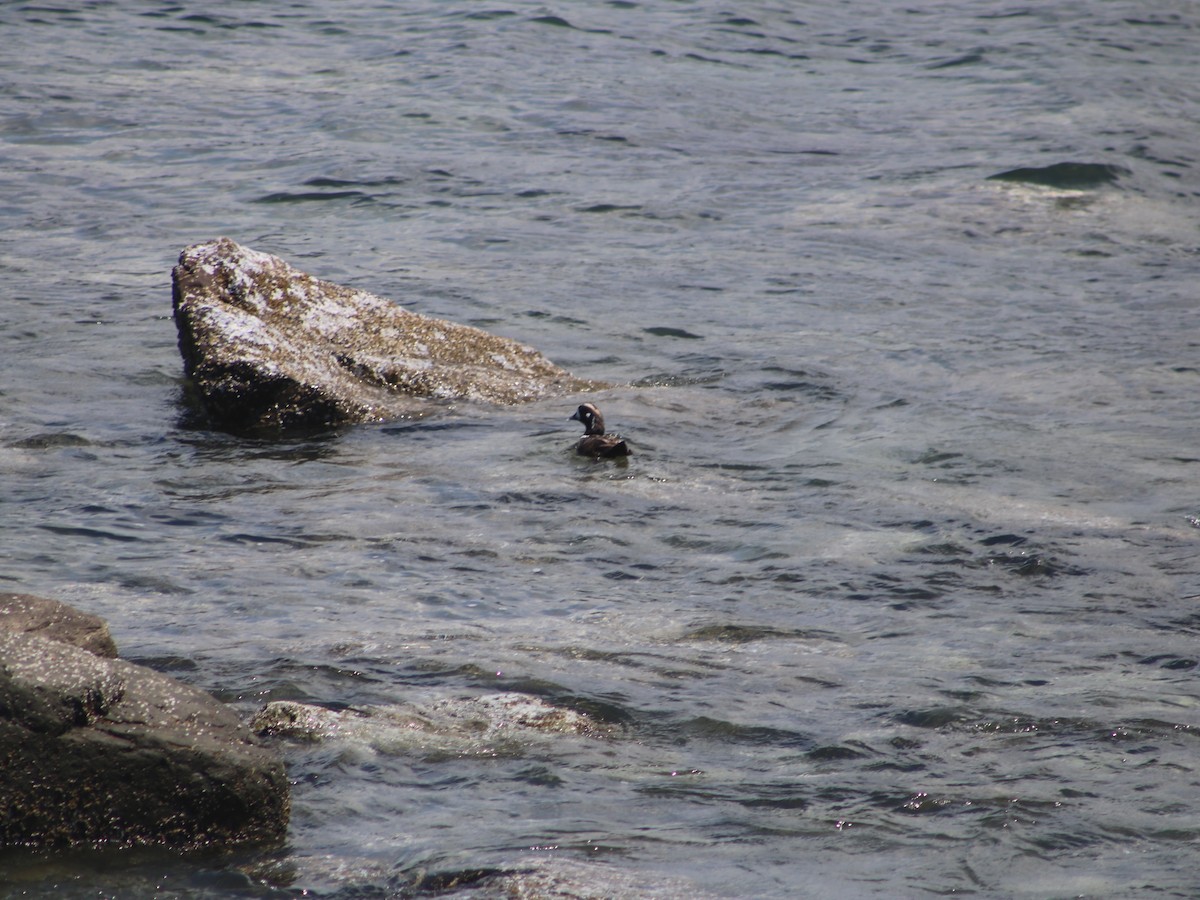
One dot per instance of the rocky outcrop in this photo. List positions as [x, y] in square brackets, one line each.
[98, 751]
[268, 346]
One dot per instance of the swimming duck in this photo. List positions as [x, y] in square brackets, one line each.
[595, 443]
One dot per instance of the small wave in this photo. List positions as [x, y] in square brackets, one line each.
[309, 196]
[99, 533]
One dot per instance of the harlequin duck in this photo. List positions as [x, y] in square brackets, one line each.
[595, 443]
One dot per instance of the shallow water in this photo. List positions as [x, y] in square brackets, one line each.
[898, 594]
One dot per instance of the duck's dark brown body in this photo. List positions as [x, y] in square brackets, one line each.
[595, 443]
[602, 445]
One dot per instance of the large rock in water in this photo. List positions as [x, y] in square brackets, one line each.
[97, 751]
[269, 346]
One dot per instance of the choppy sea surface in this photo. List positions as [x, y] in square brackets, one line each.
[899, 595]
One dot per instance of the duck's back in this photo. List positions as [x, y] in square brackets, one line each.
[606, 445]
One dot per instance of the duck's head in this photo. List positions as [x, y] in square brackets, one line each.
[589, 415]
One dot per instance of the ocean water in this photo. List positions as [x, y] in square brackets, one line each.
[899, 595]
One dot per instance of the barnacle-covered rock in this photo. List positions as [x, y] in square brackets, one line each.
[269, 346]
[100, 752]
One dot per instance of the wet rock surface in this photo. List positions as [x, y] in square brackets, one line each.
[490, 724]
[29, 614]
[98, 751]
[269, 346]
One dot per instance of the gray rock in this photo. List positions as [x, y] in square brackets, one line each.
[57, 621]
[98, 751]
[268, 346]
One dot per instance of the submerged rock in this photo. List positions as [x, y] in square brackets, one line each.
[547, 878]
[542, 877]
[268, 346]
[98, 751]
[495, 724]
[1065, 175]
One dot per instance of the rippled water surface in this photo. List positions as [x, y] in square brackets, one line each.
[898, 595]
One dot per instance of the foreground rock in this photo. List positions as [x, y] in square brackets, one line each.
[98, 751]
[269, 346]
[27, 614]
